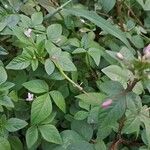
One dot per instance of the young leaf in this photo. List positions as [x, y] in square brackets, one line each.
[36, 86]
[15, 124]
[59, 100]
[41, 108]
[31, 136]
[50, 133]
[95, 54]
[49, 66]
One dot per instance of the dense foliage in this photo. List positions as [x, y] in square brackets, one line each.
[74, 74]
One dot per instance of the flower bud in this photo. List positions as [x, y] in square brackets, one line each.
[146, 51]
[119, 56]
[107, 103]
[28, 33]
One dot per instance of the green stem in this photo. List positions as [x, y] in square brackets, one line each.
[67, 78]
[57, 10]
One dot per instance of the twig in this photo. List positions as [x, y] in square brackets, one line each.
[133, 14]
[119, 8]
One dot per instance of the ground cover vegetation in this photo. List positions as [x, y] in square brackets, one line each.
[74, 74]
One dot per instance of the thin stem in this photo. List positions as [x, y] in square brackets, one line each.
[67, 78]
[57, 10]
[72, 82]
[133, 14]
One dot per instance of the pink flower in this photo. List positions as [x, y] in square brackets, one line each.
[30, 97]
[146, 51]
[107, 103]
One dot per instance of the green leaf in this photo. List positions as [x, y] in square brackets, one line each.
[132, 124]
[144, 118]
[4, 144]
[93, 115]
[53, 50]
[126, 53]
[54, 32]
[111, 88]
[100, 22]
[3, 75]
[36, 86]
[37, 18]
[16, 4]
[59, 100]
[81, 127]
[3, 51]
[92, 98]
[31, 136]
[49, 66]
[19, 33]
[6, 101]
[95, 54]
[6, 86]
[81, 115]
[100, 145]
[41, 108]
[12, 20]
[50, 134]
[15, 143]
[145, 5]
[137, 40]
[82, 145]
[108, 117]
[2, 25]
[107, 5]
[138, 88]
[34, 64]
[79, 50]
[69, 137]
[116, 73]
[15, 124]
[65, 63]
[19, 63]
